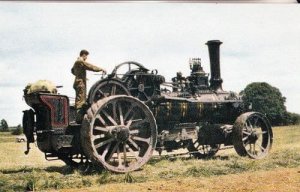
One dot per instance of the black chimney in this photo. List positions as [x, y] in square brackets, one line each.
[214, 56]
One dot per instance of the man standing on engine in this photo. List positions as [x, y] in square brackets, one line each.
[79, 70]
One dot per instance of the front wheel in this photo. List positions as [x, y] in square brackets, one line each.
[252, 135]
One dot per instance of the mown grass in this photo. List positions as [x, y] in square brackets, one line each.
[19, 172]
[6, 137]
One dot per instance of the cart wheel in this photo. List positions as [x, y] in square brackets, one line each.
[119, 132]
[252, 135]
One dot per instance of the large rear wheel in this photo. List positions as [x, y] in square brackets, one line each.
[120, 133]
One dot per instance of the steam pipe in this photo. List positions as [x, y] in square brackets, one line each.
[214, 56]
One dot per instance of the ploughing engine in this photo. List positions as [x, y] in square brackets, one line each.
[130, 114]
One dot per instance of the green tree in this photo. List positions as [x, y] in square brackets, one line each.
[266, 99]
[3, 125]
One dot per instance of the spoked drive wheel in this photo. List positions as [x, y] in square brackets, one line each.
[120, 133]
[202, 151]
[252, 135]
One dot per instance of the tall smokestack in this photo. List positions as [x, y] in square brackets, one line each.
[214, 56]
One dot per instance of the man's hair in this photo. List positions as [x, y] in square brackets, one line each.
[83, 52]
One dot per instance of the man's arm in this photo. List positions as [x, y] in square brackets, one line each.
[90, 67]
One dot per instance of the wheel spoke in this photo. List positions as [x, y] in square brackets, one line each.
[94, 137]
[109, 118]
[100, 92]
[129, 123]
[133, 153]
[106, 150]
[247, 133]
[147, 97]
[114, 110]
[262, 149]
[250, 150]
[138, 95]
[133, 88]
[128, 112]
[124, 154]
[133, 143]
[245, 138]
[263, 132]
[113, 150]
[248, 124]
[251, 125]
[104, 142]
[113, 90]
[135, 131]
[255, 122]
[98, 116]
[119, 157]
[138, 122]
[121, 115]
[101, 129]
[145, 140]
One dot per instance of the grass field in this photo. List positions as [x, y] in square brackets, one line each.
[279, 171]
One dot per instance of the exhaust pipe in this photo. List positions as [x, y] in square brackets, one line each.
[214, 56]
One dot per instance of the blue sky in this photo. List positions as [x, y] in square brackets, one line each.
[261, 42]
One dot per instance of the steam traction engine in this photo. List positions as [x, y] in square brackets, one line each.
[130, 114]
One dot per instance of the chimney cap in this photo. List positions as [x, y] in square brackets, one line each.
[214, 42]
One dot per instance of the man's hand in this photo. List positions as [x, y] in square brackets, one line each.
[104, 71]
